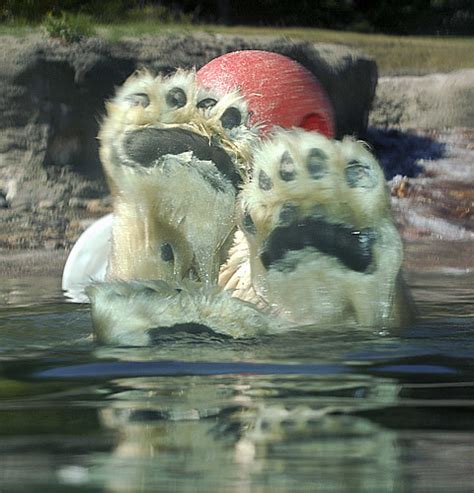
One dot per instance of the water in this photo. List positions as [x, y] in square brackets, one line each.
[339, 410]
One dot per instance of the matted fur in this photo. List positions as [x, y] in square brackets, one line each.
[288, 176]
[153, 206]
[319, 288]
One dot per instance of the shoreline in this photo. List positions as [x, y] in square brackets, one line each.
[32, 263]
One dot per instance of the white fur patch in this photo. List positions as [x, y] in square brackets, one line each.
[297, 175]
[154, 304]
[171, 202]
[289, 176]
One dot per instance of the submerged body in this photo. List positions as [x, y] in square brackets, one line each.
[309, 218]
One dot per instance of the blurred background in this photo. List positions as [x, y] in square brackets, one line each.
[446, 17]
[398, 74]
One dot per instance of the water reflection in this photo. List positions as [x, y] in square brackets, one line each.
[366, 429]
[29, 291]
[231, 436]
[339, 410]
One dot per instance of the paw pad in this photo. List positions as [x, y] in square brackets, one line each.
[359, 175]
[166, 252]
[139, 99]
[206, 103]
[264, 181]
[287, 167]
[317, 163]
[288, 214]
[301, 199]
[176, 98]
[231, 118]
[248, 224]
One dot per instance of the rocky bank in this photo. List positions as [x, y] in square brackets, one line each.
[52, 97]
[51, 101]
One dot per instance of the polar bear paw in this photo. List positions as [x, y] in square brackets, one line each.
[314, 239]
[174, 155]
[322, 245]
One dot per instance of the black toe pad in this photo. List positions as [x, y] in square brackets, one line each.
[352, 247]
[145, 146]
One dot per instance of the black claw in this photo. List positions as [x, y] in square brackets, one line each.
[176, 98]
[288, 214]
[360, 175]
[231, 118]
[317, 163]
[167, 253]
[264, 181]
[287, 167]
[248, 224]
[206, 103]
[139, 99]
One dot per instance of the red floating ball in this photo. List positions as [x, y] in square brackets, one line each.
[278, 90]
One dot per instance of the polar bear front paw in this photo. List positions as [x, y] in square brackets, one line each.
[174, 154]
[322, 245]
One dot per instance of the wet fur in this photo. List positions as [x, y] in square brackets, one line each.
[150, 209]
[170, 204]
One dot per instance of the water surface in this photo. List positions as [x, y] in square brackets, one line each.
[339, 410]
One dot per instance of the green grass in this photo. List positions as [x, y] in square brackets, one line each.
[394, 54]
[17, 29]
[68, 28]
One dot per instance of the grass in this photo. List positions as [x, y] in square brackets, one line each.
[394, 54]
[68, 28]
[17, 29]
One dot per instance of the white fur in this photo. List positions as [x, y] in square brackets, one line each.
[177, 206]
[320, 289]
[149, 304]
[180, 208]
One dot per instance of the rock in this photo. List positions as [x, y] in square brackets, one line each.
[432, 101]
[46, 204]
[349, 77]
[99, 206]
[77, 203]
[52, 96]
[3, 200]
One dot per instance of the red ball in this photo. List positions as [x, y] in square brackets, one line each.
[278, 90]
